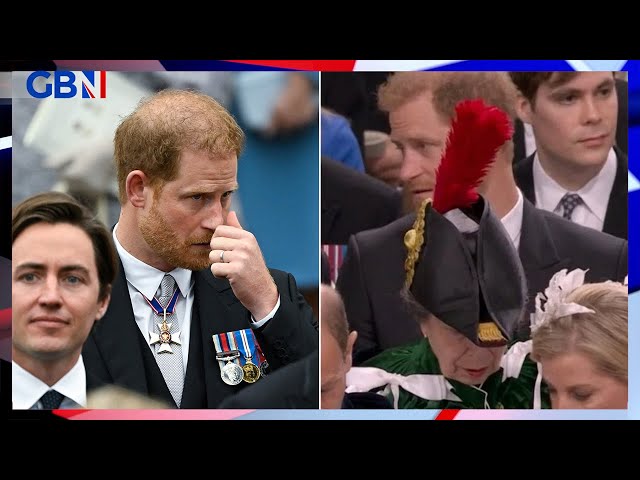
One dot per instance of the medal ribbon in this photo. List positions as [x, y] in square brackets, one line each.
[245, 347]
[261, 357]
[224, 344]
[158, 309]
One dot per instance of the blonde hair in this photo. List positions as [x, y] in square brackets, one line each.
[114, 397]
[448, 89]
[153, 137]
[602, 336]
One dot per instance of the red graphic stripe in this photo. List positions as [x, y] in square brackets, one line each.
[5, 318]
[447, 414]
[317, 65]
[103, 84]
[67, 413]
[84, 85]
[166, 414]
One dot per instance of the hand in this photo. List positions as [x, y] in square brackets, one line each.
[295, 107]
[386, 167]
[243, 265]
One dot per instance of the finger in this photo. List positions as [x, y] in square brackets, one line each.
[220, 256]
[232, 220]
[228, 231]
[223, 243]
[222, 270]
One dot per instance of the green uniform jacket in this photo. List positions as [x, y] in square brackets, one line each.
[417, 370]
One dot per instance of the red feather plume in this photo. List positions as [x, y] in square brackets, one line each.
[476, 134]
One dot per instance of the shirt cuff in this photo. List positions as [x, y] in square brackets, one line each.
[269, 316]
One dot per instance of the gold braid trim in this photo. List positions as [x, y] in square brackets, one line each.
[489, 332]
[413, 241]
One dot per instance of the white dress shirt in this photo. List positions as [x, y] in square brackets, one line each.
[143, 279]
[27, 389]
[595, 194]
[512, 221]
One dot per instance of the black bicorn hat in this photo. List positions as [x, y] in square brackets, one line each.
[461, 265]
[467, 272]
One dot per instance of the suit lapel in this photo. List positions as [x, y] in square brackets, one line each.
[117, 337]
[538, 253]
[615, 221]
[523, 173]
[218, 311]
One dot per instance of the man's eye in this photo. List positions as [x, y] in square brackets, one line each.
[196, 197]
[73, 280]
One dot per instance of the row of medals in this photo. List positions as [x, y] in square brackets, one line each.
[234, 374]
[231, 373]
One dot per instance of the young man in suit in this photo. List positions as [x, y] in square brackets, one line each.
[421, 107]
[195, 311]
[64, 264]
[576, 171]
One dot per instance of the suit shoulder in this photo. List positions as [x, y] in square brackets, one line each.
[573, 234]
[341, 176]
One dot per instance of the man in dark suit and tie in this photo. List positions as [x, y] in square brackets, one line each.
[576, 171]
[421, 107]
[195, 313]
[64, 264]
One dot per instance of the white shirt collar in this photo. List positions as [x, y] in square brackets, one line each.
[512, 221]
[145, 278]
[27, 389]
[595, 194]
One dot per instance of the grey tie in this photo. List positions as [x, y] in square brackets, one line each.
[51, 400]
[569, 202]
[170, 363]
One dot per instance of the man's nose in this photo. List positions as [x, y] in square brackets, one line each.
[591, 111]
[50, 293]
[213, 216]
[411, 165]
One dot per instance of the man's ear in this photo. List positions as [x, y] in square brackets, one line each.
[524, 109]
[351, 340]
[103, 305]
[424, 327]
[137, 185]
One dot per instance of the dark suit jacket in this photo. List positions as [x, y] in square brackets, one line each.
[352, 201]
[117, 353]
[615, 221]
[294, 386]
[372, 273]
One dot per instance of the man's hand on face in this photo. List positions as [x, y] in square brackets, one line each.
[235, 254]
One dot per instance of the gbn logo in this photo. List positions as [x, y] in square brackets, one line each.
[66, 84]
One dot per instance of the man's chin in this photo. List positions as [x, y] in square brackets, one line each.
[413, 201]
